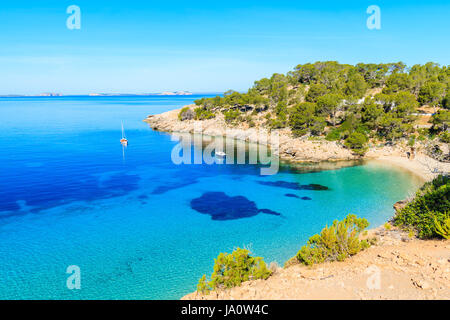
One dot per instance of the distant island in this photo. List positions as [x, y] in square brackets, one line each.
[94, 94]
[165, 93]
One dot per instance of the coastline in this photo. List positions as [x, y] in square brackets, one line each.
[300, 150]
[414, 166]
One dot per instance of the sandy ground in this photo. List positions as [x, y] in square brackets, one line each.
[422, 166]
[396, 267]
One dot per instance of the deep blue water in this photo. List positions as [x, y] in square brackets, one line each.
[137, 225]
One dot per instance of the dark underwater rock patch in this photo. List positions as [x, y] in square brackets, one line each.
[314, 187]
[291, 195]
[268, 211]
[222, 207]
[294, 185]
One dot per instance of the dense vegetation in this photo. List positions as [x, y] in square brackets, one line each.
[336, 242]
[429, 212]
[354, 104]
[230, 270]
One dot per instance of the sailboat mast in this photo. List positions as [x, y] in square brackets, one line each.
[124, 140]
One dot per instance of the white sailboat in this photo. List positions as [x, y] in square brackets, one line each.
[124, 140]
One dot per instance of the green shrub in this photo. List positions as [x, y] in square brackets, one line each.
[185, 114]
[441, 120]
[277, 124]
[431, 206]
[421, 138]
[203, 114]
[304, 117]
[231, 115]
[445, 137]
[333, 135]
[337, 242]
[280, 121]
[249, 119]
[412, 141]
[200, 102]
[446, 101]
[315, 91]
[443, 229]
[203, 285]
[230, 270]
[299, 132]
[357, 142]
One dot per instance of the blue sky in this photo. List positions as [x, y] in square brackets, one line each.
[203, 46]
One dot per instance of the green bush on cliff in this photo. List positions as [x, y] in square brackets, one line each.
[230, 270]
[185, 114]
[305, 117]
[336, 242]
[203, 114]
[333, 135]
[445, 137]
[429, 210]
[357, 143]
[443, 229]
[232, 115]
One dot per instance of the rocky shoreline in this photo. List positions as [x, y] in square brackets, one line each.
[299, 150]
[289, 148]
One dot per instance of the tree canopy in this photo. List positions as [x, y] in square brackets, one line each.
[374, 100]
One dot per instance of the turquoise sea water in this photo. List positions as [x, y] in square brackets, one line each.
[68, 196]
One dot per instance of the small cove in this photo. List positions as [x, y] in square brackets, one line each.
[127, 219]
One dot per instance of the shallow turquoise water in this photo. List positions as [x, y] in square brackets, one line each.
[68, 197]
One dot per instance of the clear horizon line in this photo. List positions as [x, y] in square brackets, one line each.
[94, 94]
